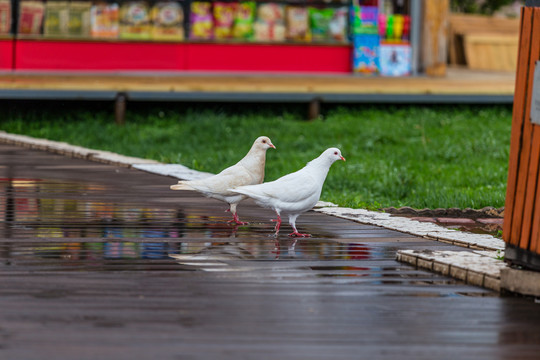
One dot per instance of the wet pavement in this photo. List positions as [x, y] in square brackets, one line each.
[106, 262]
[491, 226]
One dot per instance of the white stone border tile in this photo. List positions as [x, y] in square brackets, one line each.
[72, 150]
[414, 227]
[479, 268]
[178, 171]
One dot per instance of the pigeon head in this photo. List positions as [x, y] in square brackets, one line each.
[333, 154]
[263, 142]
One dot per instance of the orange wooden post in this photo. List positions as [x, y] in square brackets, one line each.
[521, 229]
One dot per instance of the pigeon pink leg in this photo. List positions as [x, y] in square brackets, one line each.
[295, 233]
[278, 223]
[235, 219]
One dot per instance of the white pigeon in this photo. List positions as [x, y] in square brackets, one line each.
[294, 193]
[248, 171]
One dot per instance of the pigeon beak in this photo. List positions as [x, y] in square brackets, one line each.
[342, 158]
[272, 146]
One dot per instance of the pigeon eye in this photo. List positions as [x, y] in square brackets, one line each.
[264, 141]
[335, 152]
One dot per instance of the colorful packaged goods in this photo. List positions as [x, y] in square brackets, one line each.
[398, 28]
[297, 19]
[168, 21]
[5, 17]
[224, 19]
[366, 53]
[380, 42]
[79, 19]
[201, 21]
[30, 17]
[270, 24]
[244, 18]
[406, 28]
[394, 28]
[135, 20]
[338, 25]
[104, 20]
[320, 20]
[383, 22]
[56, 18]
[364, 20]
[395, 60]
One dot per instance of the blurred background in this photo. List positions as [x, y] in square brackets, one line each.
[368, 37]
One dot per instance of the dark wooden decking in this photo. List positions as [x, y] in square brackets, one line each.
[87, 274]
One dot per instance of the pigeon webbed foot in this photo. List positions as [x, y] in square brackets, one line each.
[297, 234]
[236, 221]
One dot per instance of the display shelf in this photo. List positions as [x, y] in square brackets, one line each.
[186, 41]
[328, 52]
[89, 39]
[55, 30]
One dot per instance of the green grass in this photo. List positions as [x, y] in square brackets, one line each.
[418, 156]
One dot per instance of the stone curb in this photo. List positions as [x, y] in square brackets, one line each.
[485, 273]
[107, 157]
[520, 281]
[479, 268]
[423, 229]
[63, 148]
[175, 170]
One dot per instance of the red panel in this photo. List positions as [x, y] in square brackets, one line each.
[6, 54]
[271, 57]
[80, 55]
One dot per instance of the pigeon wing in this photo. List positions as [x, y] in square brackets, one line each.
[290, 188]
[229, 178]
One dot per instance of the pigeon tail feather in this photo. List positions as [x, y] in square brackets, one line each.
[181, 186]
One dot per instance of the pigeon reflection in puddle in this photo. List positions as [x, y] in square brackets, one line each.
[215, 257]
[230, 256]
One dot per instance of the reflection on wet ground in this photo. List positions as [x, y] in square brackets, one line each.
[60, 227]
[477, 228]
[490, 226]
[72, 226]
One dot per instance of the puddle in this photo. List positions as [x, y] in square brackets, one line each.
[490, 226]
[88, 252]
[80, 228]
[477, 228]
[60, 226]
